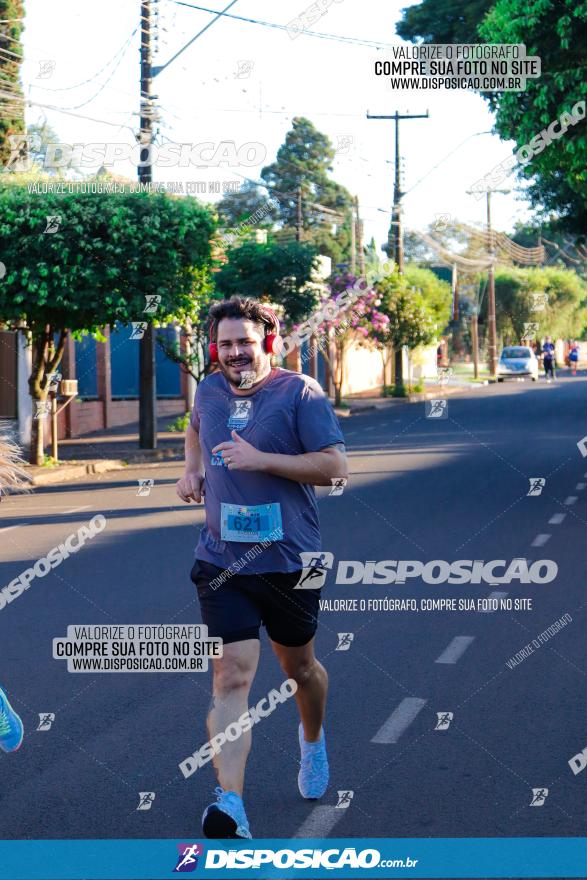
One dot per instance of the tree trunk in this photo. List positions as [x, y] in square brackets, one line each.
[339, 374]
[46, 359]
[399, 369]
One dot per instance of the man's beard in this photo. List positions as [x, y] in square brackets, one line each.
[238, 371]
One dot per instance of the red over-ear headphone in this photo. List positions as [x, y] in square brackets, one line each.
[268, 342]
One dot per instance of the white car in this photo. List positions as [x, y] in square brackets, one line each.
[517, 361]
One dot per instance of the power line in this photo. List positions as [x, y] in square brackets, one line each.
[373, 44]
[104, 85]
[158, 70]
[123, 49]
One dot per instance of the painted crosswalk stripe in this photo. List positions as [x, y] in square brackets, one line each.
[540, 540]
[455, 650]
[556, 519]
[580, 486]
[10, 528]
[399, 720]
[77, 509]
[320, 822]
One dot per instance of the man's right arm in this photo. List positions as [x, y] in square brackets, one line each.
[191, 485]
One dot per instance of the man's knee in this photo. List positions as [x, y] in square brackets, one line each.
[231, 675]
[301, 670]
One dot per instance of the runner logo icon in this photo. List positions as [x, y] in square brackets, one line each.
[338, 484]
[188, 857]
[46, 719]
[344, 800]
[537, 484]
[539, 795]
[146, 799]
[436, 409]
[315, 566]
[444, 719]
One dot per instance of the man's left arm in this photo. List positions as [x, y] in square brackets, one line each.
[316, 468]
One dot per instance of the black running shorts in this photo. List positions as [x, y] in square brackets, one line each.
[235, 608]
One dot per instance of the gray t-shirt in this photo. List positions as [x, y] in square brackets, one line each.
[260, 521]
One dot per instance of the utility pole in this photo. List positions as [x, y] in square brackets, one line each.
[353, 240]
[299, 216]
[395, 229]
[491, 322]
[147, 374]
[360, 238]
[475, 343]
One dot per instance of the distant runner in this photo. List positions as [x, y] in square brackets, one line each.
[256, 466]
[574, 357]
[548, 359]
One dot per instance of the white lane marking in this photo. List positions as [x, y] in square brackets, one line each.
[350, 433]
[580, 486]
[570, 500]
[455, 650]
[320, 822]
[399, 720]
[540, 540]
[372, 428]
[10, 528]
[77, 509]
[496, 594]
[556, 519]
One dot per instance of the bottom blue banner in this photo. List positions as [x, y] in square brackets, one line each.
[337, 857]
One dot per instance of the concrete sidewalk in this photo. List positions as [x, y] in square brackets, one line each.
[117, 448]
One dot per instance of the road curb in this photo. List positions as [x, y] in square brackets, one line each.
[68, 473]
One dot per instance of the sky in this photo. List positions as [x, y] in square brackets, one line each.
[245, 83]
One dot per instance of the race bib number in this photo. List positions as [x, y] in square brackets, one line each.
[260, 522]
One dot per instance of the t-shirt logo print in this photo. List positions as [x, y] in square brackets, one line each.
[315, 567]
[240, 413]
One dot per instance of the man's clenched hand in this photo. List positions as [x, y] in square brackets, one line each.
[191, 486]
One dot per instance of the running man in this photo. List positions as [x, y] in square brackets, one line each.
[548, 358]
[573, 358]
[261, 513]
[11, 727]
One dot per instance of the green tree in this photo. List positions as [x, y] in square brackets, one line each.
[436, 293]
[238, 207]
[556, 30]
[564, 314]
[12, 119]
[303, 164]
[109, 253]
[443, 21]
[411, 320]
[273, 273]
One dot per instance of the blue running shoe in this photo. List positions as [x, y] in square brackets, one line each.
[313, 776]
[226, 818]
[11, 729]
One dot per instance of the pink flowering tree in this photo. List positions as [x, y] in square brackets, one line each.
[348, 312]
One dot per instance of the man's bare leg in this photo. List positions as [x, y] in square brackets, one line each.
[312, 681]
[233, 676]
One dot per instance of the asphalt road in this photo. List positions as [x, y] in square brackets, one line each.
[420, 489]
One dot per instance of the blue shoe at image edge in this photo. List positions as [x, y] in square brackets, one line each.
[11, 729]
[313, 776]
[226, 818]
